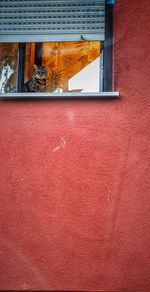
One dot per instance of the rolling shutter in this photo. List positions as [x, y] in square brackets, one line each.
[51, 20]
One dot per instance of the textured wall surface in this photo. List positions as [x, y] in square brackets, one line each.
[74, 179]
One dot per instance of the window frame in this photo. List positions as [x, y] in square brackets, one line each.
[106, 70]
[108, 49]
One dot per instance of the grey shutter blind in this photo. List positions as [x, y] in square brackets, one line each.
[51, 20]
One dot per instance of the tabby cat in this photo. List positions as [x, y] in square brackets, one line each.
[37, 82]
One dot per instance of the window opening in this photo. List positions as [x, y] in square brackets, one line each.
[72, 51]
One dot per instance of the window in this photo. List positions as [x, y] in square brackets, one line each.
[70, 39]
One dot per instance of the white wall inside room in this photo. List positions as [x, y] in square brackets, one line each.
[87, 79]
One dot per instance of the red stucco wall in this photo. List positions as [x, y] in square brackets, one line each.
[74, 179]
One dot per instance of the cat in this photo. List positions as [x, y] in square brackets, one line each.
[37, 82]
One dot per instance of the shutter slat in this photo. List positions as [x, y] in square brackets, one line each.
[51, 20]
[51, 2]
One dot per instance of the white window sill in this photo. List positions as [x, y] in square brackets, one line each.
[53, 96]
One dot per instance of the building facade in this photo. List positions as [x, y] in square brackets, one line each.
[74, 179]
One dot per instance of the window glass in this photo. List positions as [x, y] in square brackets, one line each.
[70, 65]
[8, 67]
[53, 67]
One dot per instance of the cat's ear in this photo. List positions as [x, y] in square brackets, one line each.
[35, 66]
[45, 68]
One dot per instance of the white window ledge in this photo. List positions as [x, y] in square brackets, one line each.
[66, 95]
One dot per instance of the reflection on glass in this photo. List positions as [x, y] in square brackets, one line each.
[8, 67]
[65, 60]
[64, 67]
[71, 66]
[29, 61]
[86, 80]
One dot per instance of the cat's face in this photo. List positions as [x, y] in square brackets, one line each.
[39, 72]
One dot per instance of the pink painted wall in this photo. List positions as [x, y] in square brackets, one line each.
[74, 179]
